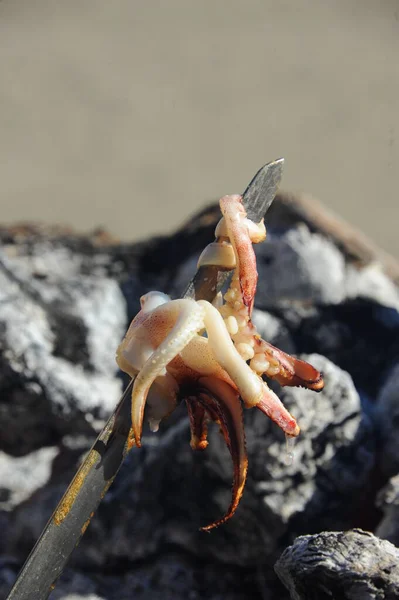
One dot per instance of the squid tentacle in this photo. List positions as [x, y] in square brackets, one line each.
[189, 322]
[293, 371]
[223, 405]
[242, 234]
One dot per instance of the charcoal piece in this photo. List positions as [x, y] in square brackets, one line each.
[8, 572]
[387, 421]
[170, 575]
[352, 565]
[74, 585]
[359, 335]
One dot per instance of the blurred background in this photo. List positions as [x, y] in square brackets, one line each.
[131, 114]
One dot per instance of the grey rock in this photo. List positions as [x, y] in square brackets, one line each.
[299, 266]
[352, 565]
[372, 283]
[75, 586]
[388, 502]
[333, 458]
[57, 339]
[273, 330]
[22, 476]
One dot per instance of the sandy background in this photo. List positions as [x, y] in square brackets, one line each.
[133, 114]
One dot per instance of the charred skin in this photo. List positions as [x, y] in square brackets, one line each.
[221, 404]
[293, 371]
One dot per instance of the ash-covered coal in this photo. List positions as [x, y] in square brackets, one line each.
[351, 565]
[66, 301]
